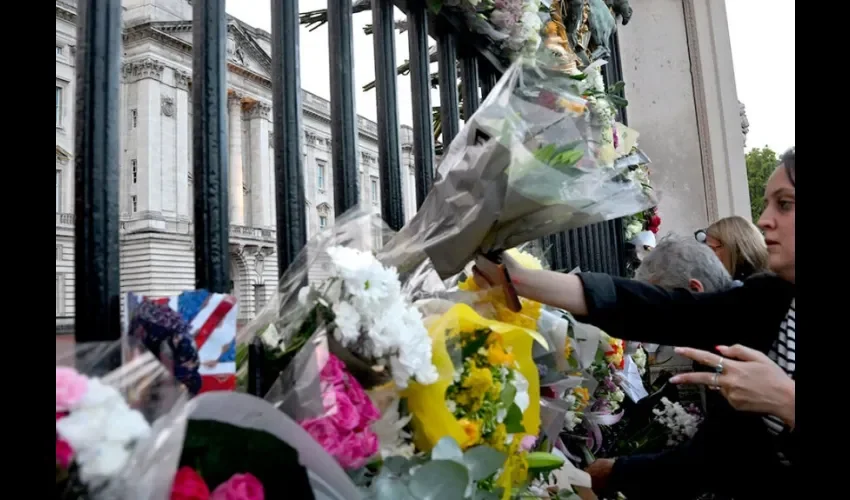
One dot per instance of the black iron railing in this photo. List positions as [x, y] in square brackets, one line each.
[597, 248]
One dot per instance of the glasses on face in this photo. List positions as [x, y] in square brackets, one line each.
[700, 235]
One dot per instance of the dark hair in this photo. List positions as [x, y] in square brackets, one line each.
[788, 161]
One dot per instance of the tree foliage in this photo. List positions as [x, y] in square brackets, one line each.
[760, 164]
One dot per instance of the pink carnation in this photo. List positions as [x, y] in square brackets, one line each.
[323, 431]
[64, 453]
[239, 487]
[344, 415]
[70, 388]
[355, 450]
[334, 371]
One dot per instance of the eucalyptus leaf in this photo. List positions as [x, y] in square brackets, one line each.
[513, 421]
[389, 488]
[397, 465]
[508, 394]
[488, 495]
[447, 449]
[483, 461]
[440, 480]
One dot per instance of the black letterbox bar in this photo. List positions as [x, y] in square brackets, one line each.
[420, 90]
[96, 249]
[290, 199]
[209, 143]
[343, 118]
[389, 153]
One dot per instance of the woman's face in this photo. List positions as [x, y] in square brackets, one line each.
[720, 250]
[778, 223]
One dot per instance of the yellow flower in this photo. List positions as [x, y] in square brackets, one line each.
[472, 430]
[498, 437]
[515, 470]
[582, 396]
[497, 356]
[476, 385]
[468, 285]
[568, 348]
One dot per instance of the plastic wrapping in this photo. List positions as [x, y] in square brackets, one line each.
[103, 430]
[532, 161]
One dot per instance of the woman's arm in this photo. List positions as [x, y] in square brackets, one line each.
[632, 310]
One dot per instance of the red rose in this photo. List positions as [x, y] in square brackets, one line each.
[189, 485]
[64, 453]
[654, 229]
[655, 221]
[240, 487]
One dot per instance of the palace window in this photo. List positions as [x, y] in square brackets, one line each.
[321, 168]
[259, 297]
[59, 106]
[134, 118]
[134, 170]
[135, 202]
[375, 195]
[59, 51]
[58, 191]
[323, 221]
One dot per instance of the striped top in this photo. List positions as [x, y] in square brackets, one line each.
[783, 353]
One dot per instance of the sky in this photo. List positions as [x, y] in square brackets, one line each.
[763, 46]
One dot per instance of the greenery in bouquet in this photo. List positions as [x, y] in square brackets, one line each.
[220, 461]
[96, 432]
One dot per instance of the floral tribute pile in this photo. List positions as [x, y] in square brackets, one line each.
[95, 432]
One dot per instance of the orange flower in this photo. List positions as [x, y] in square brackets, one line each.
[472, 429]
[582, 396]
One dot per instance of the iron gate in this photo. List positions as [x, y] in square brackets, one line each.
[97, 289]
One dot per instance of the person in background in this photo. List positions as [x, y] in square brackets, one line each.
[676, 262]
[738, 244]
[747, 334]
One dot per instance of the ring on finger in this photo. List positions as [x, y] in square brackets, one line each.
[715, 385]
[719, 367]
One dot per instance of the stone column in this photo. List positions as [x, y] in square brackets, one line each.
[237, 202]
[184, 145]
[259, 114]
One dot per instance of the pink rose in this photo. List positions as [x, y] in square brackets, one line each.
[189, 485]
[344, 415]
[70, 388]
[323, 431]
[355, 450]
[239, 487]
[64, 453]
[367, 410]
[334, 371]
[528, 442]
[60, 415]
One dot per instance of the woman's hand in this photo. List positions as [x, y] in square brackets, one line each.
[564, 291]
[750, 381]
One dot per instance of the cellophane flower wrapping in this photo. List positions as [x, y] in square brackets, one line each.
[541, 155]
[118, 430]
[336, 283]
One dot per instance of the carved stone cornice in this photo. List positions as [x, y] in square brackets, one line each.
[316, 140]
[258, 109]
[234, 98]
[148, 67]
[182, 79]
[368, 158]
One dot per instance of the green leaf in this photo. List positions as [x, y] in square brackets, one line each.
[435, 6]
[387, 487]
[446, 449]
[439, 480]
[617, 87]
[478, 341]
[488, 495]
[508, 394]
[397, 465]
[513, 421]
[579, 76]
[483, 461]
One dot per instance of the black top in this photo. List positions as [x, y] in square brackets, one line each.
[733, 452]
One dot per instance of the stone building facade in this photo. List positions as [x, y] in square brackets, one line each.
[156, 175]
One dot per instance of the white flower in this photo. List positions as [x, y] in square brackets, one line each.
[99, 394]
[501, 415]
[639, 357]
[522, 398]
[304, 295]
[102, 461]
[347, 321]
[393, 439]
[571, 420]
[451, 406]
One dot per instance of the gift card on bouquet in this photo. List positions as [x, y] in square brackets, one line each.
[193, 334]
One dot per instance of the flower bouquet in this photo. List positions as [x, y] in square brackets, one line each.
[541, 155]
[104, 424]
